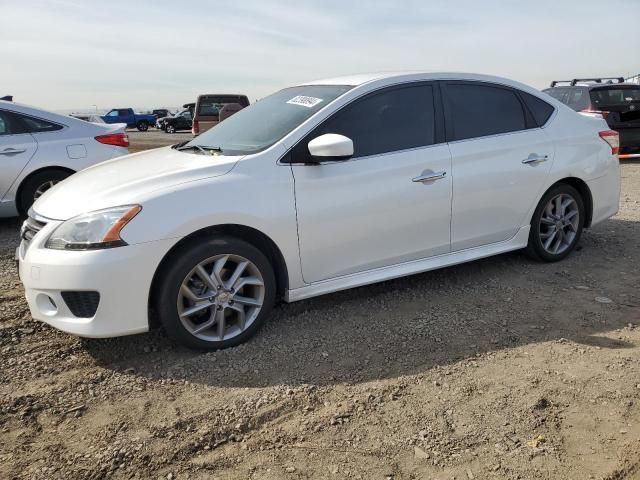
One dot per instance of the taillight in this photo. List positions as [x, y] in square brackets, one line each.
[594, 113]
[195, 129]
[115, 139]
[613, 139]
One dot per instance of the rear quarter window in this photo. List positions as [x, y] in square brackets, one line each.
[540, 109]
[38, 125]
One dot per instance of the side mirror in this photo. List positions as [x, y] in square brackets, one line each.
[331, 146]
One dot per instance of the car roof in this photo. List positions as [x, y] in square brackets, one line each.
[396, 77]
[67, 120]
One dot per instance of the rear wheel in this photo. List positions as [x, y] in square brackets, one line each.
[143, 126]
[215, 293]
[36, 185]
[557, 224]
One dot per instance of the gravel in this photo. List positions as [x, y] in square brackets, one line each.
[500, 368]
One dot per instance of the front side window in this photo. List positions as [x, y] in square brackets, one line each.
[483, 110]
[263, 123]
[392, 120]
[38, 125]
[112, 113]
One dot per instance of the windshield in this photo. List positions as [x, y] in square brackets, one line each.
[262, 124]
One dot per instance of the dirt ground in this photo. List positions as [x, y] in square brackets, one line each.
[501, 368]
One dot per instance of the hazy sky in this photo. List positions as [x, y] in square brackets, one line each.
[64, 54]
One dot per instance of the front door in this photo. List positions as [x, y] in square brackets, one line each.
[390, 203]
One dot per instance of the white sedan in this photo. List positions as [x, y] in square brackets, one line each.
[316, 188]
[39, 149]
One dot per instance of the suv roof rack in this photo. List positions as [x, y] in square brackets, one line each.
[575, 81]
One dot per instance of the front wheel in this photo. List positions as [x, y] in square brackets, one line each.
[37, 184]
[215, 293]
[142, 126]
[170, 129]
[557, 224]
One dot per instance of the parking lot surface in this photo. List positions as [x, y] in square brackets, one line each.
[154, 138]
[500, 368]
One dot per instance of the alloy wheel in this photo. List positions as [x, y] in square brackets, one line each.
[221, 297]
[559, 224]
[43, 188]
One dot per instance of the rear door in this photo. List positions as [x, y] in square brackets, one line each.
[622, 102]
[16, 149]
[500, 161]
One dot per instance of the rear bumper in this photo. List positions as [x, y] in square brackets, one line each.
[605, 193]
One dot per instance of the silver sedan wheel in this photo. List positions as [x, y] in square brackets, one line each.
[221, 297]
[559, 224]
[43, 188]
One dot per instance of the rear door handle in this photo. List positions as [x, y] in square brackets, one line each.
[429, 177]
[12, 151]
[534, 159]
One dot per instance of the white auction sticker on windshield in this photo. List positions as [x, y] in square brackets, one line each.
[305, 101]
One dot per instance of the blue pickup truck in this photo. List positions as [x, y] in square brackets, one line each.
[132, 119]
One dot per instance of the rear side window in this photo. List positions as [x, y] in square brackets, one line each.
[540, 109]
[482, 110]
[384, 122]
[9, 124]
[38, 125]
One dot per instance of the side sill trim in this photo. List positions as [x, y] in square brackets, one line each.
[518, 241]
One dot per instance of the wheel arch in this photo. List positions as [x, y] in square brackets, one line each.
[249, 234]
[59, 168]
[584, 191]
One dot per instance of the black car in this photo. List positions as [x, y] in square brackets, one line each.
[161, 112]
[180, 121]
[609, 98]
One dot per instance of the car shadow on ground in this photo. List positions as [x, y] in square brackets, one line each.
[410, 325]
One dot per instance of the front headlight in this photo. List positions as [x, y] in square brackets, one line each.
[94, 230]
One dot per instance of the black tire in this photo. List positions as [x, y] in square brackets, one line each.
[34, 183]
[535, 248]
[180, 265]
[143, 126]
[170, 129]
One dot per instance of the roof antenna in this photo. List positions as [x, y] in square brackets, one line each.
[7, 98]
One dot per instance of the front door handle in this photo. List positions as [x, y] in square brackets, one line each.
[429, 177]
[534, 159]
[12, 151]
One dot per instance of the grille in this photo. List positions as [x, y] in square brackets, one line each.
[82, 304]
[29, 229]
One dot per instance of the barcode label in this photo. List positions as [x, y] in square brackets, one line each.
[305, 101]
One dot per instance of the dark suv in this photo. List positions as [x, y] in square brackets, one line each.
[609, 98]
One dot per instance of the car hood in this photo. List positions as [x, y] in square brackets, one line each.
[128, 180]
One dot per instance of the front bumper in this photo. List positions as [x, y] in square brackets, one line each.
[122, 276]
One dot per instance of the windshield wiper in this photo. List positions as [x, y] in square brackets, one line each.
[200, 148]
